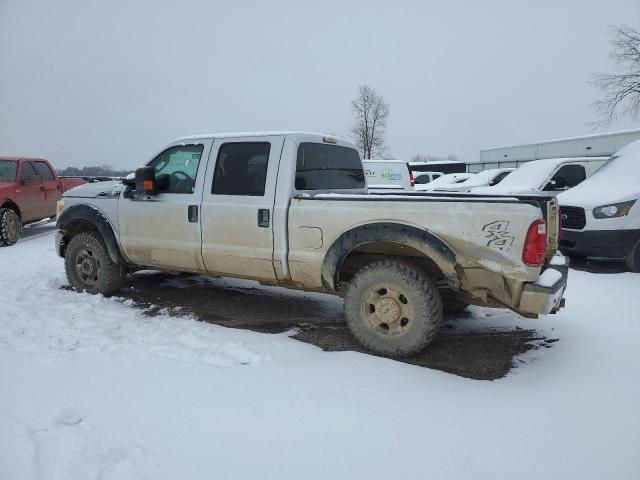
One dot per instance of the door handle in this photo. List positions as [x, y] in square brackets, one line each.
[192, 213]
[263, 217]
[41, 188]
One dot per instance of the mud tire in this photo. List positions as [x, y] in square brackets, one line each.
[400, 296]
[10, 227]
[89, 267]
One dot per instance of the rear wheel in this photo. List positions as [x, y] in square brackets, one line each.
[10, 227]
[89, 266]
[633, 258]
[393, 308]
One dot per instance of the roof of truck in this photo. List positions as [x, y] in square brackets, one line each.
[259, 134]
[15, 159]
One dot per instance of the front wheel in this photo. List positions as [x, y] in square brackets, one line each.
[10, 227]
[633, 258]
[393, 308]
[90, 268]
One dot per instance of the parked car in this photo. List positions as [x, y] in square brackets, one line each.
[601, 216]
[387, 175]
[422, 178]
[486, 178]
[29, 191]
[441, 183]
[553, 175]
[209, 204]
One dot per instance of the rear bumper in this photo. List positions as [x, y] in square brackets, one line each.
[537, 299]
[598, 243]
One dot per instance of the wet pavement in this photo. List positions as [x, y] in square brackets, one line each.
[484, 354]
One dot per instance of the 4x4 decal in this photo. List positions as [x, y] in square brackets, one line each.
[498, 234]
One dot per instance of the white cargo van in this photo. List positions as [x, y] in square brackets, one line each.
[553, 175]
[387, 175]
[601, 216]
[423, 178]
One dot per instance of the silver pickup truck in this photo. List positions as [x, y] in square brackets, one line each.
[291, 209]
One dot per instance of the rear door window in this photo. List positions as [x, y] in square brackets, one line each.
[44, 171]
[328, 167]
[28, 172]
[241, 169]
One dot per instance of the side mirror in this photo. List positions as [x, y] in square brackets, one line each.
[129, 180]
[145, 180]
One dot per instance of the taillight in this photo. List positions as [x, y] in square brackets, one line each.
[535, 245]
[411, 179]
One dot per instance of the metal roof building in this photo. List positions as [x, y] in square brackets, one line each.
[598, 145]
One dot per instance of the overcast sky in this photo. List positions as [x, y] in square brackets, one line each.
[86, 82]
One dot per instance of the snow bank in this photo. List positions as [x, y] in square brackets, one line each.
[91, 388]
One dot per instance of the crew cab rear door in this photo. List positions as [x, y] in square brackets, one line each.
[237, 206]
[164, 230]
[51, 186]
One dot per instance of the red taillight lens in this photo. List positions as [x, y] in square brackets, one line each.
[412, 180]
[535, 245]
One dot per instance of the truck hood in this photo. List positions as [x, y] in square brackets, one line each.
[97, 189]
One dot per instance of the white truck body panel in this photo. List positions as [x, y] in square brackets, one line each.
[289, 236]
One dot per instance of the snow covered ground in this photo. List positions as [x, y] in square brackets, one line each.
[91, 388]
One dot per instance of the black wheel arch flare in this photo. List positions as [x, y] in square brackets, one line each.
[78, 213]
[421, 240]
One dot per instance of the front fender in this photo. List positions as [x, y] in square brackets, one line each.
[73, 216]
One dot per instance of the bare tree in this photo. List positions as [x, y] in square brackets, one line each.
[371, 121]
[622, 90]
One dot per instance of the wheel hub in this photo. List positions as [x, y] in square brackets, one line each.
[87, 267]
[388, 310]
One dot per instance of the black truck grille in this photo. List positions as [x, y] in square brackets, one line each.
[573, 217]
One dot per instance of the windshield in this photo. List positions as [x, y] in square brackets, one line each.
[8, 170]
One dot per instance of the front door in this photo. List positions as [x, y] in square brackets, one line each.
[237, 207]
[164, 230]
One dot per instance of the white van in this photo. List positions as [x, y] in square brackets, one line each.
[601, 216]
[423, 178]
[553, 175]
[387, 176]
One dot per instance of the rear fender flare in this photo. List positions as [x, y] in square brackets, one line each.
[421, 240]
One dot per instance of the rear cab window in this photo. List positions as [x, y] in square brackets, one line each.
[328, 167]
